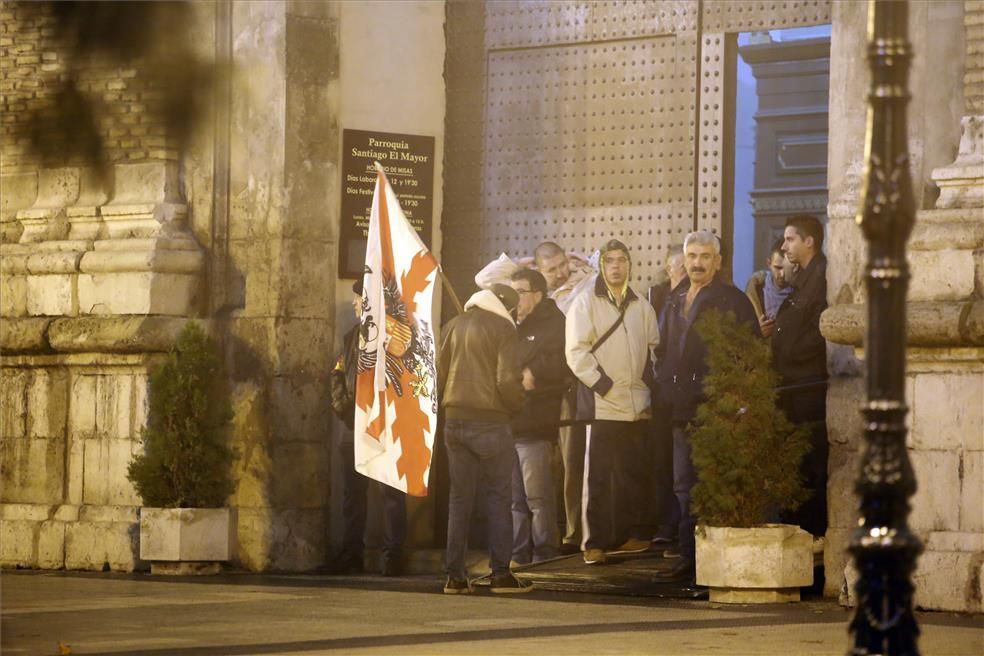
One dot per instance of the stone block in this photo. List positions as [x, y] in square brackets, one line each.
[947, 580]
[33, 512]
[285, 539]
[18, 543]
[972, 491]
[33, 469]
[116, 334]
[842, 503]
[296, 409]
[933, 505]
[298, 475]
[66, 513]
[187, 534]
[943, 275]
[13, 402]
[13, 296]
[109, 514]
[306, 275]
[24, 335]
[835, 559]
[47, 403]
[51, 295]
[114, 402]
[955, 541]
[105, 463]
[95, 546]
[947, 410]
[82, 407]
[51, 545]
[138, 293]
[845, 425]
[777, 558]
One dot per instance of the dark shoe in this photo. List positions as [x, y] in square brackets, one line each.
[569, 549]
[631, 546]
[683, 571]
[671, 553]
[392, 565]
[509, 584]
[457, 586]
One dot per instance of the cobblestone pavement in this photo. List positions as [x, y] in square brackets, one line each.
[91, 613]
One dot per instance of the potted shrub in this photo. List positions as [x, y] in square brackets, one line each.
[747, 457]
[183, 476]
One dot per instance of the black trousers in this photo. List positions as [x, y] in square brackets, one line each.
[807, 406]
[616, 498]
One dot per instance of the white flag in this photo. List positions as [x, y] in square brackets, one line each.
[396, 384]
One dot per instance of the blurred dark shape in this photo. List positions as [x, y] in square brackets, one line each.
[151, 40]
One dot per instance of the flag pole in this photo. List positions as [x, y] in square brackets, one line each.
[450, 290]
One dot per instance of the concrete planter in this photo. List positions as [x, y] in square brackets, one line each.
[186, 540]
[765, 564]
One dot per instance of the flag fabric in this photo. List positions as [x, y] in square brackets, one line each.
[396, 380]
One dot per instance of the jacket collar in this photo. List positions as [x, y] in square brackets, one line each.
[712, 290]
[819, 261]
[601, 290]
[484, 299]
[540, 312]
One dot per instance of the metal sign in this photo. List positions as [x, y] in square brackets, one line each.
[408, 160]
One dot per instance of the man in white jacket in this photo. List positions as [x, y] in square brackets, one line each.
[610, 333]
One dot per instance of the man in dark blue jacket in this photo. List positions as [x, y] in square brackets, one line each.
[684, 366]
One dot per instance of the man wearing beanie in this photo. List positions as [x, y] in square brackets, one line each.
[355, 485]
[610, 334]
[480, 391]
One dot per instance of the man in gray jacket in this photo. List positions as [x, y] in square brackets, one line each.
[610, 334]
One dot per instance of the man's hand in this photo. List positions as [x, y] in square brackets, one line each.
[529, 380]
[766, 326]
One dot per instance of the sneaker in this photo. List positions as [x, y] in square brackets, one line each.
[509, 584]
[457, 586]
[671, 553]
[594, 557]
[631, 546]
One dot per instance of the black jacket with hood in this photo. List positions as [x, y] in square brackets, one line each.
[541, 349]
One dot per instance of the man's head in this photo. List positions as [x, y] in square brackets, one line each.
[532, 289]
[780, 267]
[615, 263]
[357, 298]
[507, 296]
[552, 262]
[702, 254]
[802, 239]
[676, 269]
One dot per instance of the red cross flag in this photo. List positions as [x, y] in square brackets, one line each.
[396, 383]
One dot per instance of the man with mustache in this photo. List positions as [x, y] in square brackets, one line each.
[684, 366]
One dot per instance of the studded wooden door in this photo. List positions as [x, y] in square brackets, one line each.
[577, 122]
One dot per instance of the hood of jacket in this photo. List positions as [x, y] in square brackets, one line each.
[617, 293]
[487, 300]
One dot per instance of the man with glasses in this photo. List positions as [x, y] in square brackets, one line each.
[545, 376]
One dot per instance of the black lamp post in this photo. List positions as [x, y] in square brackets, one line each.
[883, 547]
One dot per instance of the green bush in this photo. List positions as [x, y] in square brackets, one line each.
[186, 462]
[746, 453]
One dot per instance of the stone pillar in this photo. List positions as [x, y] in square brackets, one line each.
[945, 359]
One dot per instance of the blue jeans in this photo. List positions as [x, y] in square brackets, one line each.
[536, 535]
[479, 449]
[354, 508]
[684, 479]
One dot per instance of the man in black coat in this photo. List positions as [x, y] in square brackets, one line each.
[799, 354]
[355, 486]
[536, 534]
[684, 366]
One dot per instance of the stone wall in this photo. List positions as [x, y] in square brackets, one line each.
[34, 60]
[945, 315]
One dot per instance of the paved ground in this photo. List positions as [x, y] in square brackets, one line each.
[251, 614]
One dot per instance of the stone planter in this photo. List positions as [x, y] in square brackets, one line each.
[766, 564]
[186, 540]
